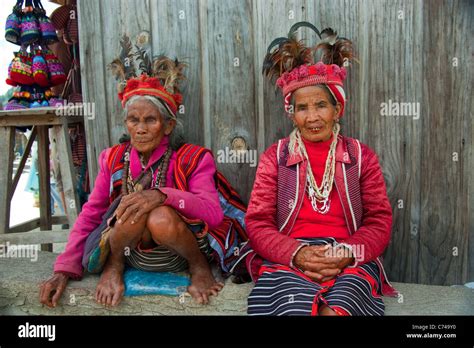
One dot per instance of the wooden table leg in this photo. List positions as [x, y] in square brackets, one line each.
[66, 165]
[44, 182]
[7, 140]
[23, 160]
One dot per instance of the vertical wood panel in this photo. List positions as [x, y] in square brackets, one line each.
[447, 96]
[68, 172]
[259, 84]
[346, 17]
[468, 136]
[116, 21]
[205, 82]
[44, 183]
[393, 72]
[181, 39]
[128, 17]
[464, 49]
[231, 97]
[7, 139]
[91, 35]
[274, 20]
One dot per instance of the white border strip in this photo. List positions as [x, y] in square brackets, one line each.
[360, 156]
[348, 198]
[296, 196]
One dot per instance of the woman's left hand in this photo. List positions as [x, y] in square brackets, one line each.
[137, 204]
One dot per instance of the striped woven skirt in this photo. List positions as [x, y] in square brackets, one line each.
[162, 259]
[281, 290]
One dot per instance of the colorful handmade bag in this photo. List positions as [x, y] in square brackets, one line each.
[30, 30]
[47, 30]
[14, 102]
[13, 24]
[56, 70]
[56, 102]
[40, 69]
[9, 80]
[20, 71]
[26, 93]
[38, 99]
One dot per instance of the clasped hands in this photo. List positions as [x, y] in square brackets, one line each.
[320, 263]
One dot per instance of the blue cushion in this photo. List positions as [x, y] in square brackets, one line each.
[139, 283]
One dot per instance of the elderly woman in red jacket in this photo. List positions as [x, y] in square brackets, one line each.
[319, 217]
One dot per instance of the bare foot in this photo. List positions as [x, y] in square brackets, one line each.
[203, 283]
[110, 288]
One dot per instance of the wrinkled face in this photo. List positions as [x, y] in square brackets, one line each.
[314, 115]
[146, 126]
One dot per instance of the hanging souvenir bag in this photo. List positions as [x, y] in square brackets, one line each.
[26, 94]
[56, 70]
[30, 31]
[9, 80]
[13, 24]
[47, 30]
[20, 71]
[40, 69]
[38, 98]
[14, 102]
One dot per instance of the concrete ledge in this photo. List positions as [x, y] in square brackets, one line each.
[19, 279]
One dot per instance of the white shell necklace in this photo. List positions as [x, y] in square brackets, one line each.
[319, 196]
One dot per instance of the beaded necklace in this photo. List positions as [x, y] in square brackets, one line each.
[145, 179]
[319, 195]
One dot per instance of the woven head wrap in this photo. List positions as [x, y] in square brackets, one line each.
[140, 74]
[302, 76]
[145, 85]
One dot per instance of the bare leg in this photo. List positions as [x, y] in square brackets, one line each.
[110, 288]
[169, 230]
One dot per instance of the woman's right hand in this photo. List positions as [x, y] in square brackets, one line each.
[52, 289]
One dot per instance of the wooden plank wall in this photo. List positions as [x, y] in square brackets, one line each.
[409, 51]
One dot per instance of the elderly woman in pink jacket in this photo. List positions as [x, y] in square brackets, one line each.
[136, 215]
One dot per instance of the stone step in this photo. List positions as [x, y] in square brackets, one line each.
[19, 279]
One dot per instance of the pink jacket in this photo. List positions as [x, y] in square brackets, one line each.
[202, 202]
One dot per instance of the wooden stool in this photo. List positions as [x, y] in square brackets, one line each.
[40, 119]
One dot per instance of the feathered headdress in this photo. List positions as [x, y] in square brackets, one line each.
[139, 73]
[292, 64]
[289, 54]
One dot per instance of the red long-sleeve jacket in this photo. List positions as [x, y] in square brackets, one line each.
[279, 190]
